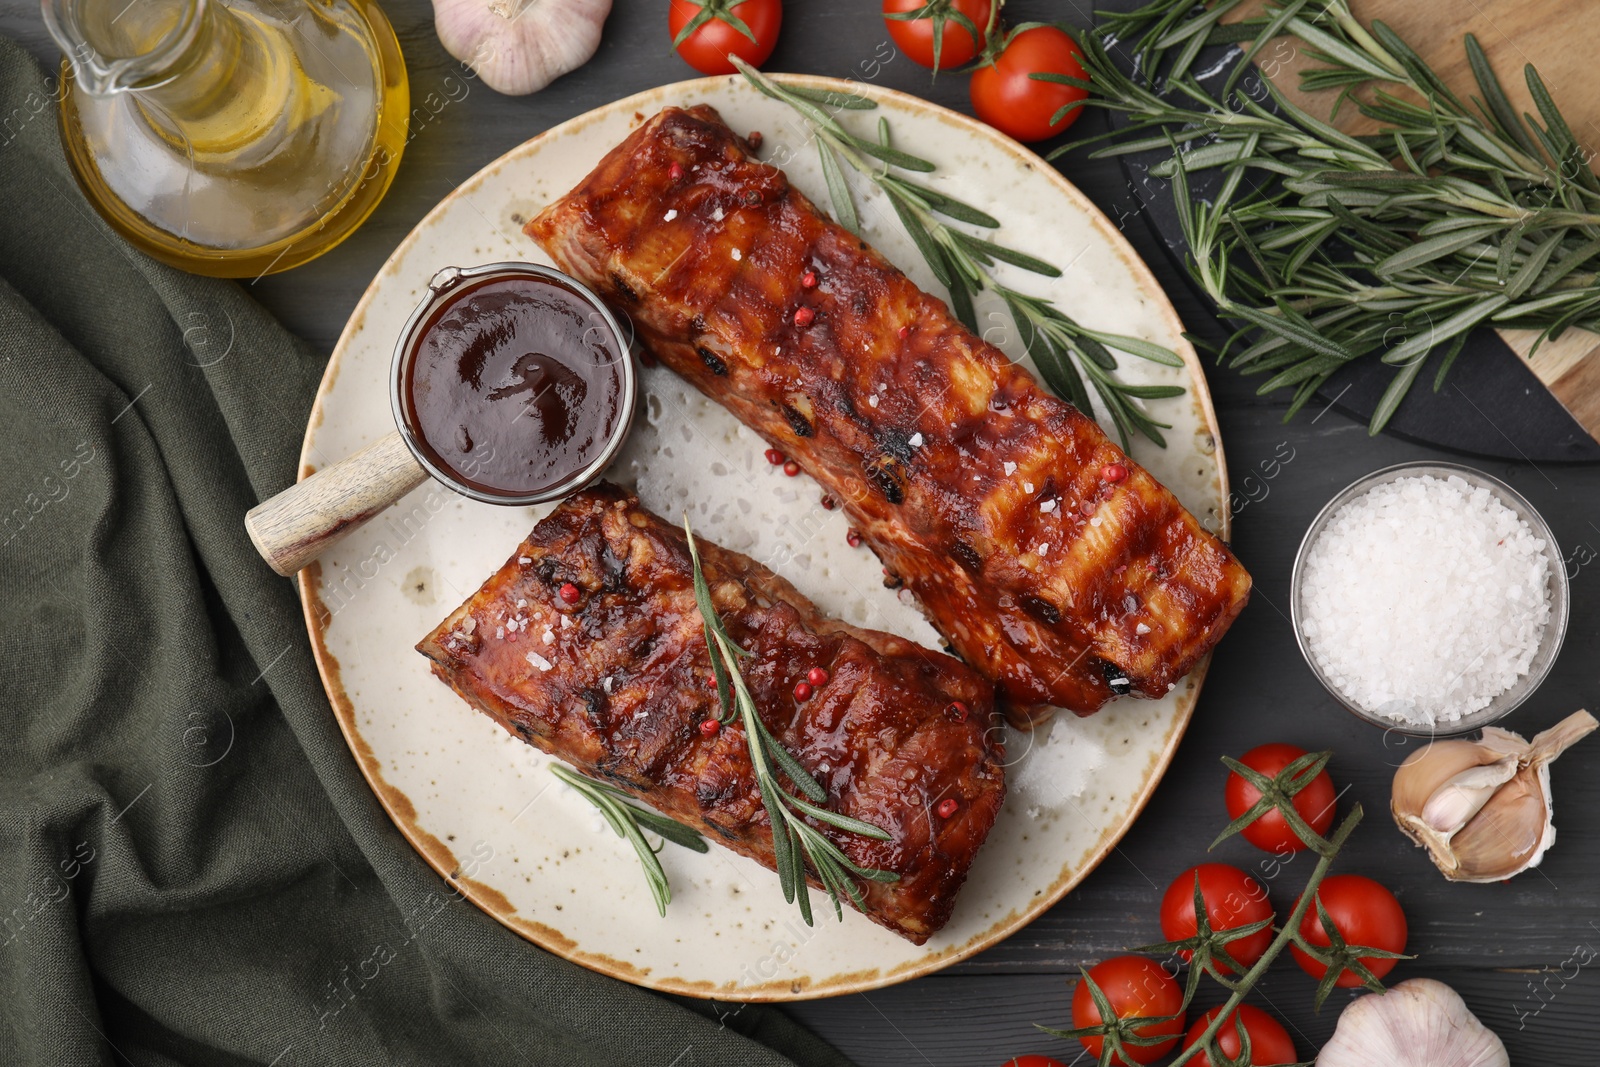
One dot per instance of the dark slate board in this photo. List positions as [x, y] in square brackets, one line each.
[1505, 947]
[1491, 404]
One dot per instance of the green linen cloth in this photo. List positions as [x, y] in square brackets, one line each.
[192, 869]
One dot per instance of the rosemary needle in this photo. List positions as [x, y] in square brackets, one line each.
[630, 821]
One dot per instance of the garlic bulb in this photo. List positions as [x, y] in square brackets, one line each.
[520, 46]
[1418, 1023]
[1482, 808]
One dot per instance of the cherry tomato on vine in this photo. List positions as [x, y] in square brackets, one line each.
[914, 37]
[1032, 1061]
[704, 36]
[1270, 1043]
[1364, 913]
[1005, 96]
[1232, 899]
[1315, 802]
[1137, 988]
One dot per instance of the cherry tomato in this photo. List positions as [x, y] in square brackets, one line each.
[1137, 988]
[708, 46]
[914, 37]
[1232, 898]
[1032, 1061]
[1006, 98]
[1365, 913]
[1270, 1043]
[1315, 802]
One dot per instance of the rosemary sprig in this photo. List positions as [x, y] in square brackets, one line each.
[796, 842]
[630, 821]
[1322, 247]
[1066, 353]
[1209, 945]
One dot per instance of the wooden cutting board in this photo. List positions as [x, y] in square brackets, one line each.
[1560, 38]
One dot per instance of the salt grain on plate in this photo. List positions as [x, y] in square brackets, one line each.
[539, 661]
[1424, 598]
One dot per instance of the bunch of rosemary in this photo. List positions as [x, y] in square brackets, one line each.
[1322, 247]
[1066, 352]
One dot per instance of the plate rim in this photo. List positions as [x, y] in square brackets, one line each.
[398, 807]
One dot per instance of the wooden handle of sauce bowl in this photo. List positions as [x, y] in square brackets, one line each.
[300, 523]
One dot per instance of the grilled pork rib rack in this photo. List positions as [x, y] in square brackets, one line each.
[1054, 564]
[589, 645]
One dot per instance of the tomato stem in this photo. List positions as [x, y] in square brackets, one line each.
[1285, 936]
[722, 11]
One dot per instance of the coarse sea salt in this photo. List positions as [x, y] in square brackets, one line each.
[1424, 598]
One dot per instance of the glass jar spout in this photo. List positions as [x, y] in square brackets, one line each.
[114, 48]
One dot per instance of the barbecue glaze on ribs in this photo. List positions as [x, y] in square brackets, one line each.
[982, 492]
[618, 688]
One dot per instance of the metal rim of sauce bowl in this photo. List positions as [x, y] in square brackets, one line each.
[443, 287]
[1556, 591]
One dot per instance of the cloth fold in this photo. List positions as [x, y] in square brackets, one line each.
[192, 869]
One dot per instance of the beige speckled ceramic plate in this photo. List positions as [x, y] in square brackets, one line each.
[481, 806]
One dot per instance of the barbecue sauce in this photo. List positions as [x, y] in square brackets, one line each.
[515, 386]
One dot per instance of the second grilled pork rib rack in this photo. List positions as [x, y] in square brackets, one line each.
[588, 644]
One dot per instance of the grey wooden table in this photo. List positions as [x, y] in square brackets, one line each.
[1517, 951]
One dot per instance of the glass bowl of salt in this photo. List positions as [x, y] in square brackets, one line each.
[1429, 598]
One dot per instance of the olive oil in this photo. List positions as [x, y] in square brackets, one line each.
[232, 139]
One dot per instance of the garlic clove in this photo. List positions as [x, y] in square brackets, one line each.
[1464, 795]
[1418, 1023]
[1482, 808]
[520, 46]
[1509, 835]
[1439, 761]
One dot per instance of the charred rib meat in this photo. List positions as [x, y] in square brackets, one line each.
[588, 644]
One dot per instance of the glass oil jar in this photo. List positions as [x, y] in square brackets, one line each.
[231, 137]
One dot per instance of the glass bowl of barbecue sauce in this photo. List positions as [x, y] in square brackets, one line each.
[513, 383]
